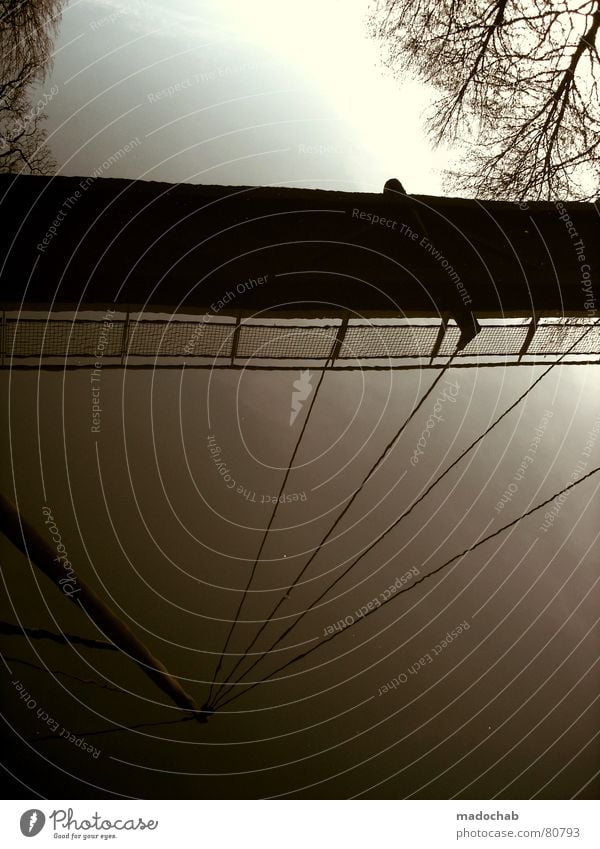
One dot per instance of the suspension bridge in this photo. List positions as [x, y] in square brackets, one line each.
[148, 275]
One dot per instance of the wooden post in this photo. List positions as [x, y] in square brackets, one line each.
[125, 338]
[440, 338]
[39, 552]
[529, 336]
[339, 340]
[236, 337]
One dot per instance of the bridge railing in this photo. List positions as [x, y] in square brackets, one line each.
[228, 341]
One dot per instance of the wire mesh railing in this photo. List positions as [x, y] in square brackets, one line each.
[127, 341]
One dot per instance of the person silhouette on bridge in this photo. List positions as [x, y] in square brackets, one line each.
[466, 321]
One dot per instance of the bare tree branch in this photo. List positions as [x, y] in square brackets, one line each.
[517, 84]
[27, 28]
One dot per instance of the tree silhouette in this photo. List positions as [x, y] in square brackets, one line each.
[27, 28]
[517, 84]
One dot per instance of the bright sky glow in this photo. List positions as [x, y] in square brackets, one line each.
[341, 94]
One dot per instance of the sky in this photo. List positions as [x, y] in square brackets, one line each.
[235, 93]
[268, 93]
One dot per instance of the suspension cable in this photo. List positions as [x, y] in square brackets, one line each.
[367, 477]
[417, 501]
[413, 585]
[268, 528]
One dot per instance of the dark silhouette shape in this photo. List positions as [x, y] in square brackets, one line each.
[394, 185]
[468, 324]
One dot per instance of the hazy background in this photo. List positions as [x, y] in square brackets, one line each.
[237, 94]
